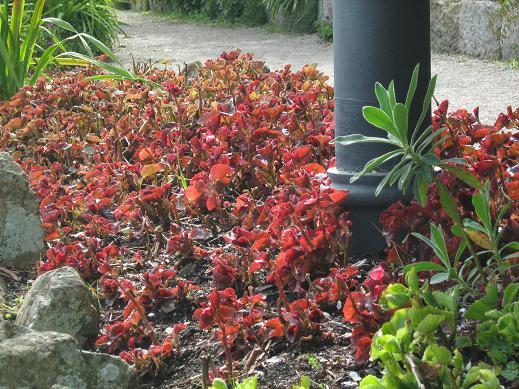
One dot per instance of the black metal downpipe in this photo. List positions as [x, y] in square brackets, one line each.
[374, 40]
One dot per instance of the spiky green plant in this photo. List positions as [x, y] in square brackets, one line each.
[18, 64]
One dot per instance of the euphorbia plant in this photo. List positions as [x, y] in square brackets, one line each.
[418, 163]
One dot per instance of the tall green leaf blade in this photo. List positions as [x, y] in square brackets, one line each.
[412, 87]
[447, 202]
[464, 175]
[347, 140]
[383, 98]
[392, 95]
[401, 119]
[437, 236]
[482, 209]
[426, 104]
[376, 162]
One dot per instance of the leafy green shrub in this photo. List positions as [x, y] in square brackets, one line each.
[419, 346]
[18, 64]
[93, 17]
[297, 16]
[253, 13]
[187, 6]
[250, 12]
[325, 30]
[274, 6]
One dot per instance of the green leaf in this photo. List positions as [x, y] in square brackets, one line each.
[511, 371]
[438, 238]
[412, 87]
[426, 103]
[439, 278]
[510, 294]
[395, 296]
[218, 383]
[390, 175]
[248, 383]
[421, 189]
[371, 382]
[430, 323]
[431, 159]
[383, 98]
[459, 161]
[401, 119]
[488, 302]
[465, 176]
[304, 383]
[412, 281]
[424, 266]
[376, 162]
[482, 207]
[469, 223]
[404, 176]
[447, 202]
[438, 354]
[444, 300]
[392, 95]
[358, 138]
[378, 118]
[457, 230]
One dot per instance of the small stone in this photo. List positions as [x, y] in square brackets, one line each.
[60, 301]
[21, 234]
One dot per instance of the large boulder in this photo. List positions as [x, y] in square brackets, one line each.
[480, 29]
[45, 360]
[60, 301]
[21, 234]
[445, 25]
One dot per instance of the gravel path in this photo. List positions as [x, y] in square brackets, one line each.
[465, 81]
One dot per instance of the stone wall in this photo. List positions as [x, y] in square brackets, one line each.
[325, 10]
[480, 28]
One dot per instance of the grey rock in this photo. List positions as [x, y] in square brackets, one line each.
[3, 289]
[510, 32]
[41, 360]
[445, 25]
[325, 10]
[480, 26]
[21, 234]
[60, 301]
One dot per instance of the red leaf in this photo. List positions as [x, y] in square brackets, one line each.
[193, 193]
[211, 203]
[220, 173]
[338, 196]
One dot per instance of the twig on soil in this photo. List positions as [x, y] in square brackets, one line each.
[204, 360]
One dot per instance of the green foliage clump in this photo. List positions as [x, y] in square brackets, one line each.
[420, 345]
[96, 18]
[20, 61]
[325, 31]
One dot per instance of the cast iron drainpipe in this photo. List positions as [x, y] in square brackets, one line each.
[374, 40]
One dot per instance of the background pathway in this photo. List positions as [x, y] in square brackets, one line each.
[465, 82]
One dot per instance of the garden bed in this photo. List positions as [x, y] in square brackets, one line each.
[204, 219]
